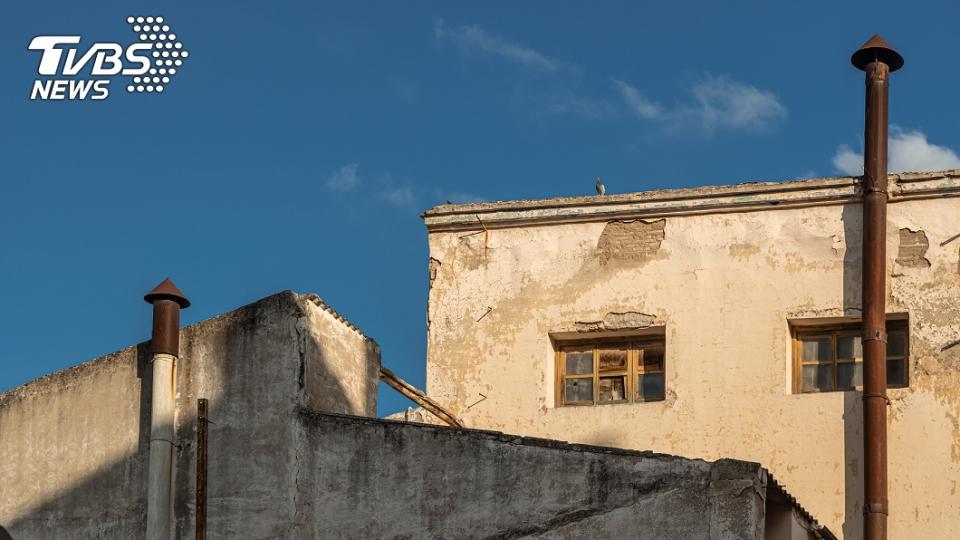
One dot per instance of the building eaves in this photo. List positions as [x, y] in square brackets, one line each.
[745, 197]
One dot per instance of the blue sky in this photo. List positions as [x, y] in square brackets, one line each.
[297, 146]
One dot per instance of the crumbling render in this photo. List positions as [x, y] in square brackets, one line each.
[913, 249]
[617, 321]
[635, 240]
[418, 397]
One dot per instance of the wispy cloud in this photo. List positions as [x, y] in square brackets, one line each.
[726, 103]
[717, 103]
[636, 102]
[474, 38]
[401, 197]
[908, 150]
[345, 178]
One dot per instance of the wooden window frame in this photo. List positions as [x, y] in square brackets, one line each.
[635, 347]
[843, 329]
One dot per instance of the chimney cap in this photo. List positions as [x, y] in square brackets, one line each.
[876, 48]
[166, 290]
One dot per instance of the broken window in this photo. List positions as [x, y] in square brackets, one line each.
[830, 357]
[608, 371]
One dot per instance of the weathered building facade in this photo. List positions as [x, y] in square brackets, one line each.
[713, 322]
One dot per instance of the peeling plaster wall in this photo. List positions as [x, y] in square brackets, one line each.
[75, 444]
[724, 286]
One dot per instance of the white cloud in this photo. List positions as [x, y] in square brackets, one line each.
[908, 151]
[400, 196]
[727, 103]
[717, 103]
[475, 39]
[639, 105]
[345, 178]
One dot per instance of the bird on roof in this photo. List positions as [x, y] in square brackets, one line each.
[600, 189]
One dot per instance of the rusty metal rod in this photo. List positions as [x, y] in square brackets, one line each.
[201, 469]
[877, 59]
[418, 397]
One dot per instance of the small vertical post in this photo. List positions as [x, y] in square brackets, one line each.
[201, 469]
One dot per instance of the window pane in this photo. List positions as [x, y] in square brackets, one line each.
[650, 387]
[613, 359]
[579, 363]
[576, 390]
[849, 374]
[818, 377]
[817, 349]
[897, 344]
[651, 359]
[849, 347]
[896, 373]
[613, 388]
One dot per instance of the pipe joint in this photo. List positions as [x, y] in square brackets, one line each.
[876, 507]
[874, 335]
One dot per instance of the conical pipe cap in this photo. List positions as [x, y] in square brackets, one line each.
[166, 290]
[876, 48]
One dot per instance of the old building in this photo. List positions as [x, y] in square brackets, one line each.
[711, 323]
[293, 452]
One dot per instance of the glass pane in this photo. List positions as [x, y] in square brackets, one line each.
[650, 387]
[576, 390]
[896, 373]
[613, 388]
[849, 347]
[613, 359]
[652, 359]
[849, 374]
[817, 349]
[897, 344]
[818, 377]
[579, 362]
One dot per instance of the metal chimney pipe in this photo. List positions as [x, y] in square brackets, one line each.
[878, 60]
[167, 302]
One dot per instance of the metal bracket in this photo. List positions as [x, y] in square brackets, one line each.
[874, 394]
[875, 508]
[880, 335]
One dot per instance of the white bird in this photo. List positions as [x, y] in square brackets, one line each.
[600, 189]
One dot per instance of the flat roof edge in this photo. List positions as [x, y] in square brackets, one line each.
[745, 197]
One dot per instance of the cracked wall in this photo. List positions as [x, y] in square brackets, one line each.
[723, 286]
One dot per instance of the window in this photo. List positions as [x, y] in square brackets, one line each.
[611, 371]
[830, 357]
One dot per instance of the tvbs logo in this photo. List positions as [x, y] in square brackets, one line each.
[151, 62]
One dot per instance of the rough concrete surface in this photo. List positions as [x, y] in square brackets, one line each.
[74, 443]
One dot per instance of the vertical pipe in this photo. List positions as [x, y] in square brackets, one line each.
[167, 301]
[201, 469]
[877, 60]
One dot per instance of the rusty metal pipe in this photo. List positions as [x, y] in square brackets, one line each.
[201, 469]
[167, 302]
[877, 59]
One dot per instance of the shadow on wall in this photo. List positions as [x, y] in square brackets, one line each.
[852, 217]
[246, 363]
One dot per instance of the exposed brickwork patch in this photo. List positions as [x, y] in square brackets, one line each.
[636, 240]
[913, 249]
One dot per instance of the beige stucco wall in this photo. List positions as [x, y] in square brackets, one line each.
[724, 285]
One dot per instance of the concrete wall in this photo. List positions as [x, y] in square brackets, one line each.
[723, 270]
[75, 443]
[368, 478]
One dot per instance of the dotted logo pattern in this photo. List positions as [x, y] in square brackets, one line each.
[168, 54]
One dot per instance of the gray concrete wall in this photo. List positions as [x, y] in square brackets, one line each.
[75, 443]
[368, 478]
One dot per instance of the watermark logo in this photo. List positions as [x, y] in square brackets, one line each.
[151, 62]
